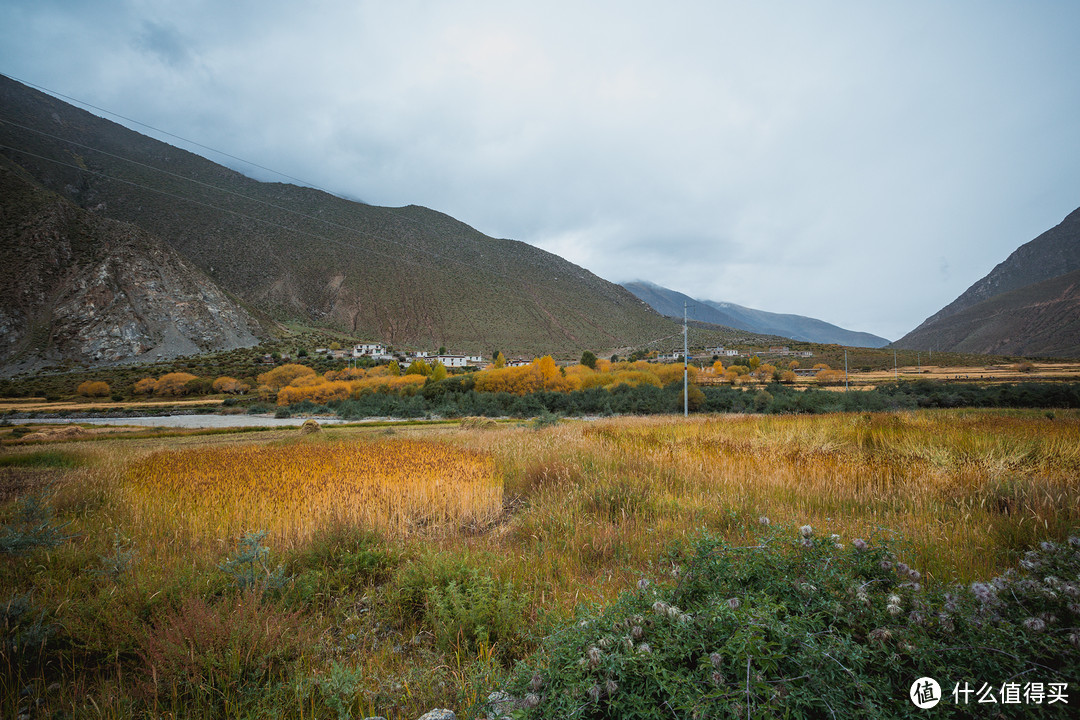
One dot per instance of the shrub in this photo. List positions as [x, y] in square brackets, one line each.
[279, 377]
[145, 386]
[545, 419]
[198, 386]
[24, 634]
[230, 386]
[94, 389]
[32, 527]
[463, 607]
[338, 561]
[476, 612]
[251, 568]
[173, 383]
[799, 625]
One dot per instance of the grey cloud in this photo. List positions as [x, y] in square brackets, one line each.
[165, 42]
[822, 158]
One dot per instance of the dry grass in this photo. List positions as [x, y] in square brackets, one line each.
[570, 513]
[296, 489]
[962, 491]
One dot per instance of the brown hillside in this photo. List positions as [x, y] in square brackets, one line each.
[1042, 319]
[1024, 306]
[409, 276]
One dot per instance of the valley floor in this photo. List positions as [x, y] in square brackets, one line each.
[389, 570]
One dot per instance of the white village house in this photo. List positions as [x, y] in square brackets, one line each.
[369, 349]
[459, 361]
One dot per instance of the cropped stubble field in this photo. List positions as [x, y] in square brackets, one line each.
[563, 515]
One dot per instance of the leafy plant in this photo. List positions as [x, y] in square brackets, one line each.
[23, 632]
[338, 688]
[117, 563]
[251, 570]
[476, 612]
[211, 651]
[804, 626]
[32, 527]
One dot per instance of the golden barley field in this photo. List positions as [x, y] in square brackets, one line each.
[562, 515]
[291, 492]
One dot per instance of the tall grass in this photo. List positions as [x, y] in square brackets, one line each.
[385, 537]
[296, 490]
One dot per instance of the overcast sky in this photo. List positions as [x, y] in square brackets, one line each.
[859, 162]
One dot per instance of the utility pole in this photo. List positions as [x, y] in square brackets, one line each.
[685, 364]
[845, 369]
[896, 371]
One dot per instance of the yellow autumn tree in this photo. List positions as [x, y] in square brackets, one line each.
[281, 376]
[346, 374]
[230, 386]
[322, 391]
[517, 380]
[145, 386]
[173, 383]
[418, 367]
[93, 388]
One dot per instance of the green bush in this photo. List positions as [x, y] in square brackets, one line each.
[31, 527]
[251, 569]
[463, 607]
[338, 562]
[797, 625]
[478, 612]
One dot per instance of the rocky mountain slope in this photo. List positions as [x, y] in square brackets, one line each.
[1027, 305]
[796, 327]
[409, 276]
[77, 288]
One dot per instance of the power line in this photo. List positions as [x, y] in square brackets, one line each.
[165, 132]
[513, 284]
[398, 258]
[196, 182]
[400, 218]
[271, 223]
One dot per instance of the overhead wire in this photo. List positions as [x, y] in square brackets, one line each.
[192, 142]
[396, 257]
[367, 234]
[324, 221]
[212, 187]
[164, 132]
[220, 209]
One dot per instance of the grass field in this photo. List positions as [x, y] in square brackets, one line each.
[388, 571]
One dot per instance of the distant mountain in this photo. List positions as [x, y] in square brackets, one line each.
[1027, 305]
[78, 288]
[408, 276]
[796, 327]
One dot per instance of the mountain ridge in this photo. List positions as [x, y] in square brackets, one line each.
[409, 276]
[1027, 305]
[795, 327]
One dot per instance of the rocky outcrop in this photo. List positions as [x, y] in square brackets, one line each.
[77, 288]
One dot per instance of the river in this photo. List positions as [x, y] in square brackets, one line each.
[192, 421]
